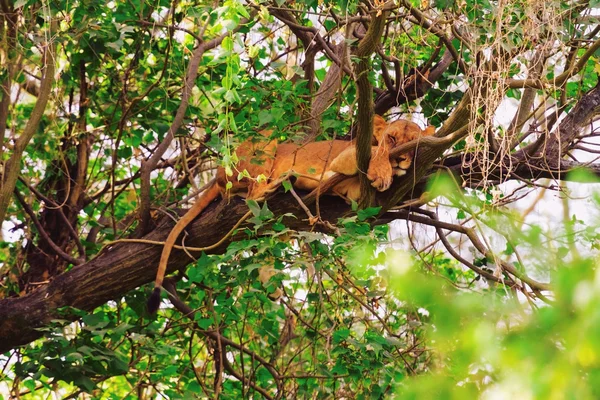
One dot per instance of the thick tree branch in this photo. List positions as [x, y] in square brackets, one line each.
[126, 266]
[8, 30]
[542, 159]
[325, 94]
[427, 150]
[523, 113]
[366, 47]
[571, 126]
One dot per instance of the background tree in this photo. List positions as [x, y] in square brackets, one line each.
[113, 114]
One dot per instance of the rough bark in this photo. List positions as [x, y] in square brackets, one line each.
[366, 47]
[56, 225]
[325, 95]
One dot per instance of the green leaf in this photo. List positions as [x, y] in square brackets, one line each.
[368, 213]
[278, 226]
[227, 43]
[84, 383]
[339, 369]
[204, 323]
[265, 213]
[264, 117]
[254, 207]
[340, 335]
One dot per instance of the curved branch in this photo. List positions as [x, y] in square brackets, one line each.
[478, 244]
[366, 47]
[74, 234]
[560, 79]
[43, 232]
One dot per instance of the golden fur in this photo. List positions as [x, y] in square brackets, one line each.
[310, 163]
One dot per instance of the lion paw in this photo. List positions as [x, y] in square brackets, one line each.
[380, 173]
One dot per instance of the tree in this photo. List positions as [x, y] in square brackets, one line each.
[114, 114]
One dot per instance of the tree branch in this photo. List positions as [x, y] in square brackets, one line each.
[561, 79]
[13, 165]
[413, 88]
[43, 233]
[366, 47]
[123, 267]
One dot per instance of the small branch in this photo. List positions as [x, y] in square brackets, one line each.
[421, 20]
[74, 234]
[44, 234]
[245, 381]
[478, 244]
[413, 88]
[187, 311]
[560, 79]
[309, 36]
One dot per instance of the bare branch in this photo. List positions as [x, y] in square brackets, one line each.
[43, 233]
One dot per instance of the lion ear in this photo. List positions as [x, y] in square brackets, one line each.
[379, 125]
[429, 131]
[378, 120]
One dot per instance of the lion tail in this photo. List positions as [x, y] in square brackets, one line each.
[201, 203]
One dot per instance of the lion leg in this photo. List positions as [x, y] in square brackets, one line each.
[345, 162]
[380, 171]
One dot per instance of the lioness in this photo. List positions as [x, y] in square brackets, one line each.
[310, 163]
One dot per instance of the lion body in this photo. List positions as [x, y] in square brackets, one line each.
[311, 164]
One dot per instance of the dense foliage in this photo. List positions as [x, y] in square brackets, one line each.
[454, 283]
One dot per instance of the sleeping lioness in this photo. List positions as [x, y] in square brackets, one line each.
[310, 164]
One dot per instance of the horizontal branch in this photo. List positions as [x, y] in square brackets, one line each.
[125, 266]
